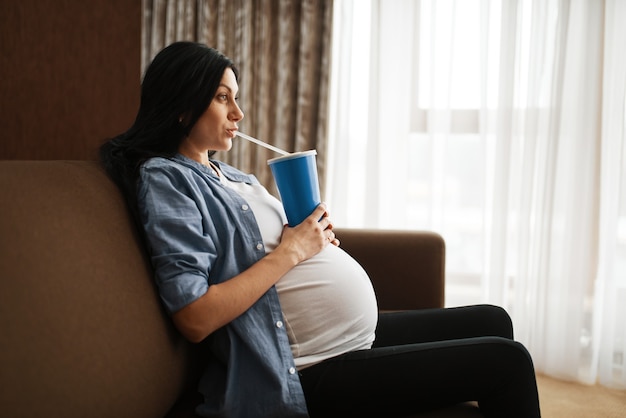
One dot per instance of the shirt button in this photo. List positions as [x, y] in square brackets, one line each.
[245, 207]
[279, 324]
[292, 370]
[259, 246]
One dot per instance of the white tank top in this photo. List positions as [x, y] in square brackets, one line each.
[328, 302]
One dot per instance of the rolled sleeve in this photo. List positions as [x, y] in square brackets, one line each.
[181, 252]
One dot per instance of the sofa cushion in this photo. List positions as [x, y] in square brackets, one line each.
[83, 333]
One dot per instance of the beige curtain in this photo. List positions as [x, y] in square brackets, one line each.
[282, 49]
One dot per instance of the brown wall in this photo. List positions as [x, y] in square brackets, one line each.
[69, 75]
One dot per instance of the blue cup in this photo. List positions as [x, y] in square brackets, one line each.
[296, 179]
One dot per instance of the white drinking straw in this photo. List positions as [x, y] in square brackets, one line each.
[261, 143]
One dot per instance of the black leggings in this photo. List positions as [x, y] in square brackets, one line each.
[426, 359]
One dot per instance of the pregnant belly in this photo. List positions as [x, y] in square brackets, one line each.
[329, 307]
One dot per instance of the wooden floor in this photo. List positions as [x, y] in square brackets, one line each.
[560, 399]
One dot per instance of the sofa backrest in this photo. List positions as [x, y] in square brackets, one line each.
[83, 332]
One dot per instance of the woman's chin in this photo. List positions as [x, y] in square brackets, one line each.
[224, 147]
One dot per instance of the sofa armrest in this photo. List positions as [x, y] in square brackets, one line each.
[407, 268]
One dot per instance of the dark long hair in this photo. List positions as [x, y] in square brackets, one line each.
[177, 88]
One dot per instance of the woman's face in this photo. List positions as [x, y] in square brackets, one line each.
[216, 128]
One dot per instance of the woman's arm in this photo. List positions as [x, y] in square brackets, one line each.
[225, 301]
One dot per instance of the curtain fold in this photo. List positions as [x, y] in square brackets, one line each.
[544, 246]
[282, 50]
[609, 350]
[500, 125]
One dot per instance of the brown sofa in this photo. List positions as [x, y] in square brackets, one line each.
[83, 332]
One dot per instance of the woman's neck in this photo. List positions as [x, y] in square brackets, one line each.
[201, 156]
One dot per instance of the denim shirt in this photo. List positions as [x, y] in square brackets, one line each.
[201, 233]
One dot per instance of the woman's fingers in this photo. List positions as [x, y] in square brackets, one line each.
[321, 214]
[312, 235]
[330, 234]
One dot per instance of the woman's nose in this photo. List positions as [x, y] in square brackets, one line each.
[237, 113]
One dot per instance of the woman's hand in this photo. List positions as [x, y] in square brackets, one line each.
[309, 237]
[332, 238]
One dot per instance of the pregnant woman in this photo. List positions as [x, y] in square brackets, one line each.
[289, 319]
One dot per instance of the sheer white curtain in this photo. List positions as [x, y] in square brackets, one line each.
[500, 125]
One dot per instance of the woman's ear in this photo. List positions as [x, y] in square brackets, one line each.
[184, 117]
